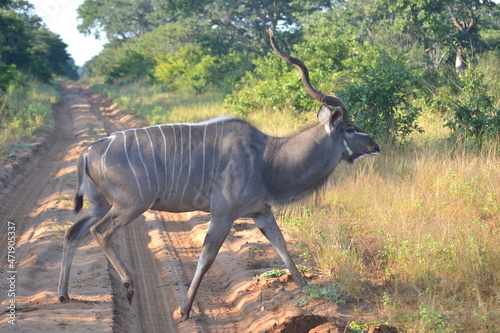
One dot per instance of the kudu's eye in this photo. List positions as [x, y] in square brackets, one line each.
[349, 130]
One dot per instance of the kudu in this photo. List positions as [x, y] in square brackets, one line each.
[224, 166]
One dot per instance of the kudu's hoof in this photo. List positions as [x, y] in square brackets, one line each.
[185, 312]
[184, 317]
[64, 298]
[130, 291]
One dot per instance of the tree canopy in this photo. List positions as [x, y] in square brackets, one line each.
[28, 46]
[388, 58]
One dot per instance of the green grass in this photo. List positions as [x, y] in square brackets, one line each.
[157, 106]
[273, 273]
[413, 233]
[23, 111]
[324, 291]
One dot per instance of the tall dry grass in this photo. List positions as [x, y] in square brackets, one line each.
[416, 232]
[23, 111]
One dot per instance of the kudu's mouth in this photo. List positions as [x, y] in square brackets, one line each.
[371, 151]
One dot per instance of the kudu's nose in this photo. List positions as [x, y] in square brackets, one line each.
[375, 149]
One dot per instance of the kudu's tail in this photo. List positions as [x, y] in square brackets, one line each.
[78, 198]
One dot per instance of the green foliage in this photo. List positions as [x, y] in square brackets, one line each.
[27, 44]
[377, 89]
[434, 321]
[177, 55]
[24, 109]
[195, 69]
[361, 327]
[29, 54]
[268, 85]
[274, 84]
[243, 24]
[326, 291]
[8, 75]
[123, 19]
[252, 252]
[132, 65]
[273, 273]
[375, 84]
[52, 50]
[474, 114]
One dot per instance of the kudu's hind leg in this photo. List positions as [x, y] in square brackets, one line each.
[72, 239]
[268, 226]
[105, 229]
[216, 234]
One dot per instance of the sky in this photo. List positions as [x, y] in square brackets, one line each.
[61, 18]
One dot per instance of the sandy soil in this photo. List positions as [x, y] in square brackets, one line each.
[160, 249]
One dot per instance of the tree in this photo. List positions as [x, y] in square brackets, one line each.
[27, 44]
[243, 23]
[52, 51]
[124, 19]
[465, 18]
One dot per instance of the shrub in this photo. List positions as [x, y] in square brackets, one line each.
[474, 114]
[274, 84]
[377, 91]
[8, 75]
[195, 69]
[132, 65]
[376, 84]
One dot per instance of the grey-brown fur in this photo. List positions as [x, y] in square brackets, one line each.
[224, 166]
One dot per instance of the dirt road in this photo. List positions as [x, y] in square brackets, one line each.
[160, 249]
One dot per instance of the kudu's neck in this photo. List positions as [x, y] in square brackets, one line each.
[298, 165]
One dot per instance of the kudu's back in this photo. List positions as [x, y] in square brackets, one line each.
[179, 167]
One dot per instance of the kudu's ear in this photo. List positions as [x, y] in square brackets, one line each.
[324, 113]
[337, 116]
[334, 116]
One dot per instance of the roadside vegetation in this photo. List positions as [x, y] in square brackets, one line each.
[31, 58]
[25, 109]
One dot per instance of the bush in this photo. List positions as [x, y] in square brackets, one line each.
[275, 84]
[376, 84]
[132, 65]
[8, 75]
[194, 69]
[379, 94]
[474, 114]
[185, 55]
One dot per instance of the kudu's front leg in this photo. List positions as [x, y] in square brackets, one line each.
[268, 226]
[216, 234]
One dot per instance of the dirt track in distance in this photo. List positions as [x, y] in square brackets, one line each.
[160, 249]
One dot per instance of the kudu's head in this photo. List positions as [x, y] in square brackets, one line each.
[334, 114]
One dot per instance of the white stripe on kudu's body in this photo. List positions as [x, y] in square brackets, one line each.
[224, 166]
